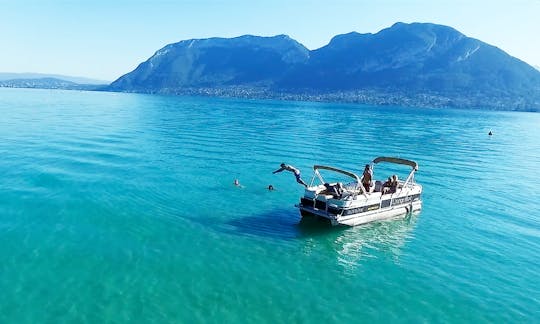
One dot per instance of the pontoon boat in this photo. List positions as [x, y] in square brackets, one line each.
[350, 203]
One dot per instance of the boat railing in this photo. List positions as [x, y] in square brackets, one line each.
[409, 182]
[354, 188]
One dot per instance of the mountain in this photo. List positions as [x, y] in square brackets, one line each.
[27, 76]
[413, 57]
[246, 60]
[418, 64]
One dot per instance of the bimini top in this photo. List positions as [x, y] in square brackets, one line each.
[410, 163]
[347, 173]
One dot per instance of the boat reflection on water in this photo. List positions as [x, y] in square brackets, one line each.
[384, 238]
[319, 238]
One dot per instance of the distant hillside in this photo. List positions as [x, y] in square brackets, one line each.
[80, 80]
[407, 64]
[48, 83]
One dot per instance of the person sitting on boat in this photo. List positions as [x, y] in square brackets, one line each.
[335, 190]
[339, 190]
[386, 187]
[293, 170]
[367, 177]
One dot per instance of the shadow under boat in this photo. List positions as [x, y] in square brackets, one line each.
[317, 236]
[282, 224]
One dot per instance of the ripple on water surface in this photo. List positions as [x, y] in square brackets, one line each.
[120, 207]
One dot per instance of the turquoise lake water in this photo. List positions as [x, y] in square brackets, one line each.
[121, 208]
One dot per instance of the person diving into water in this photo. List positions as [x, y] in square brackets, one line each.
[286, 167]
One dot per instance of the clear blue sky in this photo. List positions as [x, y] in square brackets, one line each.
[105, 39]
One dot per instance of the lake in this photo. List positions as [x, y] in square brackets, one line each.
[121, 208]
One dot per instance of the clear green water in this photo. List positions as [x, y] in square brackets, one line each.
[120, 208]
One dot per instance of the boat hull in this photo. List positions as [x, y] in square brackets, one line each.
[361, 213]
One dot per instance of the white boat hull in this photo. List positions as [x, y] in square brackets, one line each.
[390, 213]
[361, 210]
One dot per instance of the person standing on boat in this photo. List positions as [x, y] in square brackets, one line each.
[293, 170]
[395, 183]
[367, 178]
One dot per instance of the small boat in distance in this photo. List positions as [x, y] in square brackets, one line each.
[350, 203]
